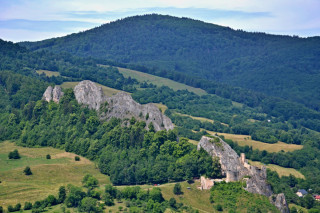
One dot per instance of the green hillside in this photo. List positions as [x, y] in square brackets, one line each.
[282, 66]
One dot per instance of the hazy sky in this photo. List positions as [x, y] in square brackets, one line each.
[31, 20]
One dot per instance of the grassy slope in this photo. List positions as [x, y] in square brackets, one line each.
[159, 81]
[280, 170]
[48, 175]
[202, 119]
[244, 140]
[108, 91]
[48, 73]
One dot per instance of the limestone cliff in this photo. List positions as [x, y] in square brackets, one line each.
[88, 93]
[53, 94]
[120, 105]
[280, 202]
[237, 168]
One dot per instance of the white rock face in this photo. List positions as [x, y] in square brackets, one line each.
[280, 202]
[123, 106]
[53, 94]
[120, 105]
[88, 93]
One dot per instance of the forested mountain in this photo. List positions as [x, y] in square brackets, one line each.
[283, 66]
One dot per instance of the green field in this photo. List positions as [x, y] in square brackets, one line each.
[48, 73]
[48, 175]
[159, 81]
[280, 170]
[108, 91]
[202, 119]
[244, 140]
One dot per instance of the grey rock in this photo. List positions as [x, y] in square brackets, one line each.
[88, 93]
[236, 168]
[47, 95]
[53, 94]
[57, 94]
[123, 106]
[120, 105]
[280, 202]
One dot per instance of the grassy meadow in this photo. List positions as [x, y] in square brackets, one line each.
[244, 140]
[48, 73]
[280, 170]
[159, 81]
[202, 119]
[47, 177]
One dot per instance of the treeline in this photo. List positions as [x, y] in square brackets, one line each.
[22, 61]
[90, 199]
[124, 149]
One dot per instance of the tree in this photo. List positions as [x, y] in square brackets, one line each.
[156, 195]
[14, 154]
[89, 205]
[11, 209]
[90, 182]
[27, 206]
[1, 209]
[77, 158]
[27, 171]
[177, 189]
[308, 201]
[62, 194]
[172, 203]
[17, 207]
[51, 200]
[48, 157]
[74, 196]
[151, 127]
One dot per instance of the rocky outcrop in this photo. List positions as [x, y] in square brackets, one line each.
[280, 202]
[53, 94]
[120, 105]
[88, 93]
[123, 106]
[236, 168]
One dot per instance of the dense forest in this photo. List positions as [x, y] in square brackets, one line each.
[281, 66]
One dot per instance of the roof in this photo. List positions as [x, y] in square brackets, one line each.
[317, 197]
[302, 191]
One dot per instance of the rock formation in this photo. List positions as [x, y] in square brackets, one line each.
[53, 94]
[123, 106]
[88, 93]
[237, 168]
[280, 202]
[120, 105]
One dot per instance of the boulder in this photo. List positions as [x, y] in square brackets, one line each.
[53, 94]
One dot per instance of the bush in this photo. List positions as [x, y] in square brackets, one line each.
[17, 207]
[11, 209]
[77, 158]
[14, 155]
[1, 209]
[48, 156]
[219, 208]
[27, 171]
[27, 206]
[177, 189]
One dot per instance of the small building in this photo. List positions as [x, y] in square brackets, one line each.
[301, 192]
[317, 197]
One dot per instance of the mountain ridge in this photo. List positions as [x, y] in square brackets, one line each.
[282, 66]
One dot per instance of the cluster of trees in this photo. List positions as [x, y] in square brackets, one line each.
[129, 154]
[228, 116]
[91, 199]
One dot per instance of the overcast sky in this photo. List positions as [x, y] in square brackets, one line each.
[32, 20]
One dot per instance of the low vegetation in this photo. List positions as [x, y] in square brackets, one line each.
[159, 81]
[246, 140]
[48, 73]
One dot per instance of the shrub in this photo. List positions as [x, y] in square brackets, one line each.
[17, 207]
[48, 156]
[77, 158]
[1, 209]
[27, 171]
[27, 206]
[219, 208]
[177, 189]
[14, 155]
[11, 209]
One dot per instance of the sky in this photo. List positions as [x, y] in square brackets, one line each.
[34, 20]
